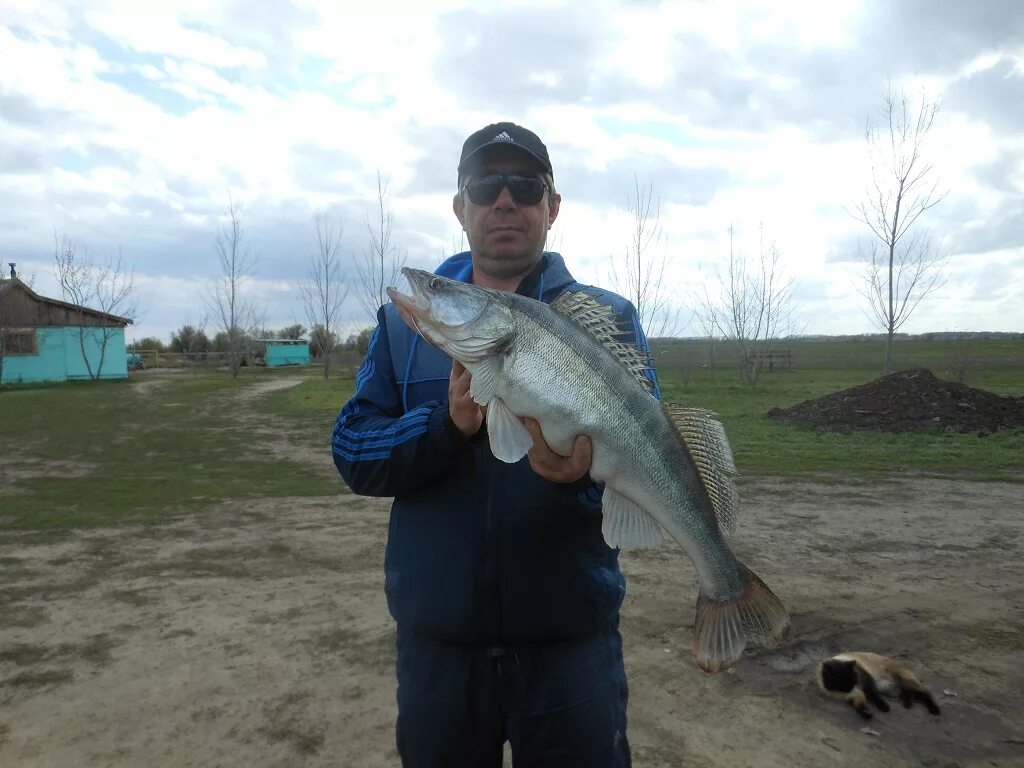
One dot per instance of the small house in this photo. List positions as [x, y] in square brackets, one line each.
[43, 339]
[281, 352]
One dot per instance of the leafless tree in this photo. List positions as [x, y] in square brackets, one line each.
[904, 262]
[553, 241]
[639, 274]
[708, 323]
[253, 341]
[324, 290]
[232, 312]
[751, 306]
[106, 287]
[382, 261]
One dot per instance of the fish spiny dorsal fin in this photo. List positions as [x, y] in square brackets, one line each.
[709, 448]
[600, 322]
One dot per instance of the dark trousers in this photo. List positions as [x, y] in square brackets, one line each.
[557, 704]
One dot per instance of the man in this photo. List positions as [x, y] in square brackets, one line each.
[505, 595]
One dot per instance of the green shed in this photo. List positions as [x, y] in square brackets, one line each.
[43, 339]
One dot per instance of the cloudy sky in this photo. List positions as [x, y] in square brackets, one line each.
[127, 125]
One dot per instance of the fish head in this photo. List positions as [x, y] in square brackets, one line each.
[467, 322]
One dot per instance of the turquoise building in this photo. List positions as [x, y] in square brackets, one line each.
[279, 352]
[43, 339]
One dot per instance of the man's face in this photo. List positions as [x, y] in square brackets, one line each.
[506, 237]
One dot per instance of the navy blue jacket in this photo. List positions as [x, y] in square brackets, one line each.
[478, 551]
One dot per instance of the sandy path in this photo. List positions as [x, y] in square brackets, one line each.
[256, 634]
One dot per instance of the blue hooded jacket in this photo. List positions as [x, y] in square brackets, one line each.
[478, 551]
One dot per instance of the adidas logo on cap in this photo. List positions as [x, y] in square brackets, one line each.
[503, 136]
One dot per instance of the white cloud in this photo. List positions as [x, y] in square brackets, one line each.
[128, 124]
[166, 28]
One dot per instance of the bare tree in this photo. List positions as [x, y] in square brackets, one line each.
[709, 325]
[105, 287]
[324, 291]
[641, 275]
[382, 262]
[458, 246]
[232, 313]
[752, 306]
[902, 266]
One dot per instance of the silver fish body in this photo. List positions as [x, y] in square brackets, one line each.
[557, 374]
[528, 360]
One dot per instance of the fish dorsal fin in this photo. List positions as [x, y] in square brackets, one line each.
[600, 322]
[709, 448]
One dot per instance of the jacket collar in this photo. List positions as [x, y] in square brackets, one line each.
[546, 281]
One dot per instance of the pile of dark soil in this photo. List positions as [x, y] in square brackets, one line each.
[908, 401]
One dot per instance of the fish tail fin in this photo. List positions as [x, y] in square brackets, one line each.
[723, 628]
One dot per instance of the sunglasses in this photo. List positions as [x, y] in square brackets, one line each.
[525, 190]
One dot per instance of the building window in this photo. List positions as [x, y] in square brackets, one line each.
[19, 341]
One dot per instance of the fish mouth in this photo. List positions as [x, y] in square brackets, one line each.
[408, 303]
[417, 305]
[419, 302]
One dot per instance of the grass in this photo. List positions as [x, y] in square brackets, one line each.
[98, 453]
[141, 454]
[765, 446]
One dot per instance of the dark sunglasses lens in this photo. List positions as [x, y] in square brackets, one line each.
[484, 192]
[527, 190]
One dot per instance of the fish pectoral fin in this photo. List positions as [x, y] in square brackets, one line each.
[625, 524]
[509, 439]
[485, 379]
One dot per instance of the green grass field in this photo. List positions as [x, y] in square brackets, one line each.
[765, 446]
[82, 454]
[88, 453]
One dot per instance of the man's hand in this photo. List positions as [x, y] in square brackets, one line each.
[554, 466]
[466, 414]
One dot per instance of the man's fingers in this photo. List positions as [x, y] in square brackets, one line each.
[583, 451]
[533, 427]
[552, 465]
[541, 451]
[458, 384]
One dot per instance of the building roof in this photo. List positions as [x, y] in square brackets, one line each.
[10, 283]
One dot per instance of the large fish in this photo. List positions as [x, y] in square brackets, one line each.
[664, 467]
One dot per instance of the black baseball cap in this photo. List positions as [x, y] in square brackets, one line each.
[507, 135]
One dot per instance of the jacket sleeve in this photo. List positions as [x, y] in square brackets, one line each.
[379, 449]
[589, 493]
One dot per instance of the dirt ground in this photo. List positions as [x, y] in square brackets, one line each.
[256, 634]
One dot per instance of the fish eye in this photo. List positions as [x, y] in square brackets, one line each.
[435, 283]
